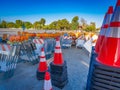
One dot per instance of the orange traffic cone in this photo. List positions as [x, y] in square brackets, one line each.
[47, 82]
[58, 58]
[43, 64]
[104, 27]
[42, 68]
[58, 68]
[110, 50]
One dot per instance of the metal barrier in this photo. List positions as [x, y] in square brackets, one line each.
[8, 59]
[66, 43]
[28, 52]
[49, 45]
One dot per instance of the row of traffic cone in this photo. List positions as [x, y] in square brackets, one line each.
[109, 46]
[56, 65]
[105, 70]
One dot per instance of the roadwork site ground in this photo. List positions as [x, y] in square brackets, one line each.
[25, 74]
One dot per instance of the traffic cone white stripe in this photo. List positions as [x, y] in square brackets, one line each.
[108, 18]
[47, 82]
[43, 64]
[58, 51]
[47, 85]
[57, 43]
[42, 60]
[42, 54]
[113, 32]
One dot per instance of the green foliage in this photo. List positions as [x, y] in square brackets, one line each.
[3, 24]
[39, 24]
[42, 21]
[0, 25]
[74, 25]
[36, 25]
[53, 25]
[28, 25]
[91, 27]
[62, 24]
[18, 23]
[10, 25]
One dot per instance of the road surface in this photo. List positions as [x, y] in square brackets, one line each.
[25, 73]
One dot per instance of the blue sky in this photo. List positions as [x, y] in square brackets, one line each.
[33, 10]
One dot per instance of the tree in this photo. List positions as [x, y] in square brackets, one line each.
[53, 25]
[42, 23]
[36, 25]
[91, 27]
[19, 23]
[28, 25]
[10, 25]
[75, 24]
[63, 24]
[0, 25]
[4, 24]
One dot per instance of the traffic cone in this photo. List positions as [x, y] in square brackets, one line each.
[106, 68]
[104, 27]
[42, 68]
[58, 68]
[58, 58]
[110, 51]
[47, 82]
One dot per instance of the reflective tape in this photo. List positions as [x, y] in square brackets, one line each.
[58, 51]
[34, 40]
[116, 15]
[42, 54]
[39, 41]
[113, 32]
[57, 43]
[42, 59]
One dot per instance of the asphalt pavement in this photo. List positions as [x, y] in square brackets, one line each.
[25, 74]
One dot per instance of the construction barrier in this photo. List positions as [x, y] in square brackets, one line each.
[9, 56]
[28, 52]
[49, 45]
[66, 42]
